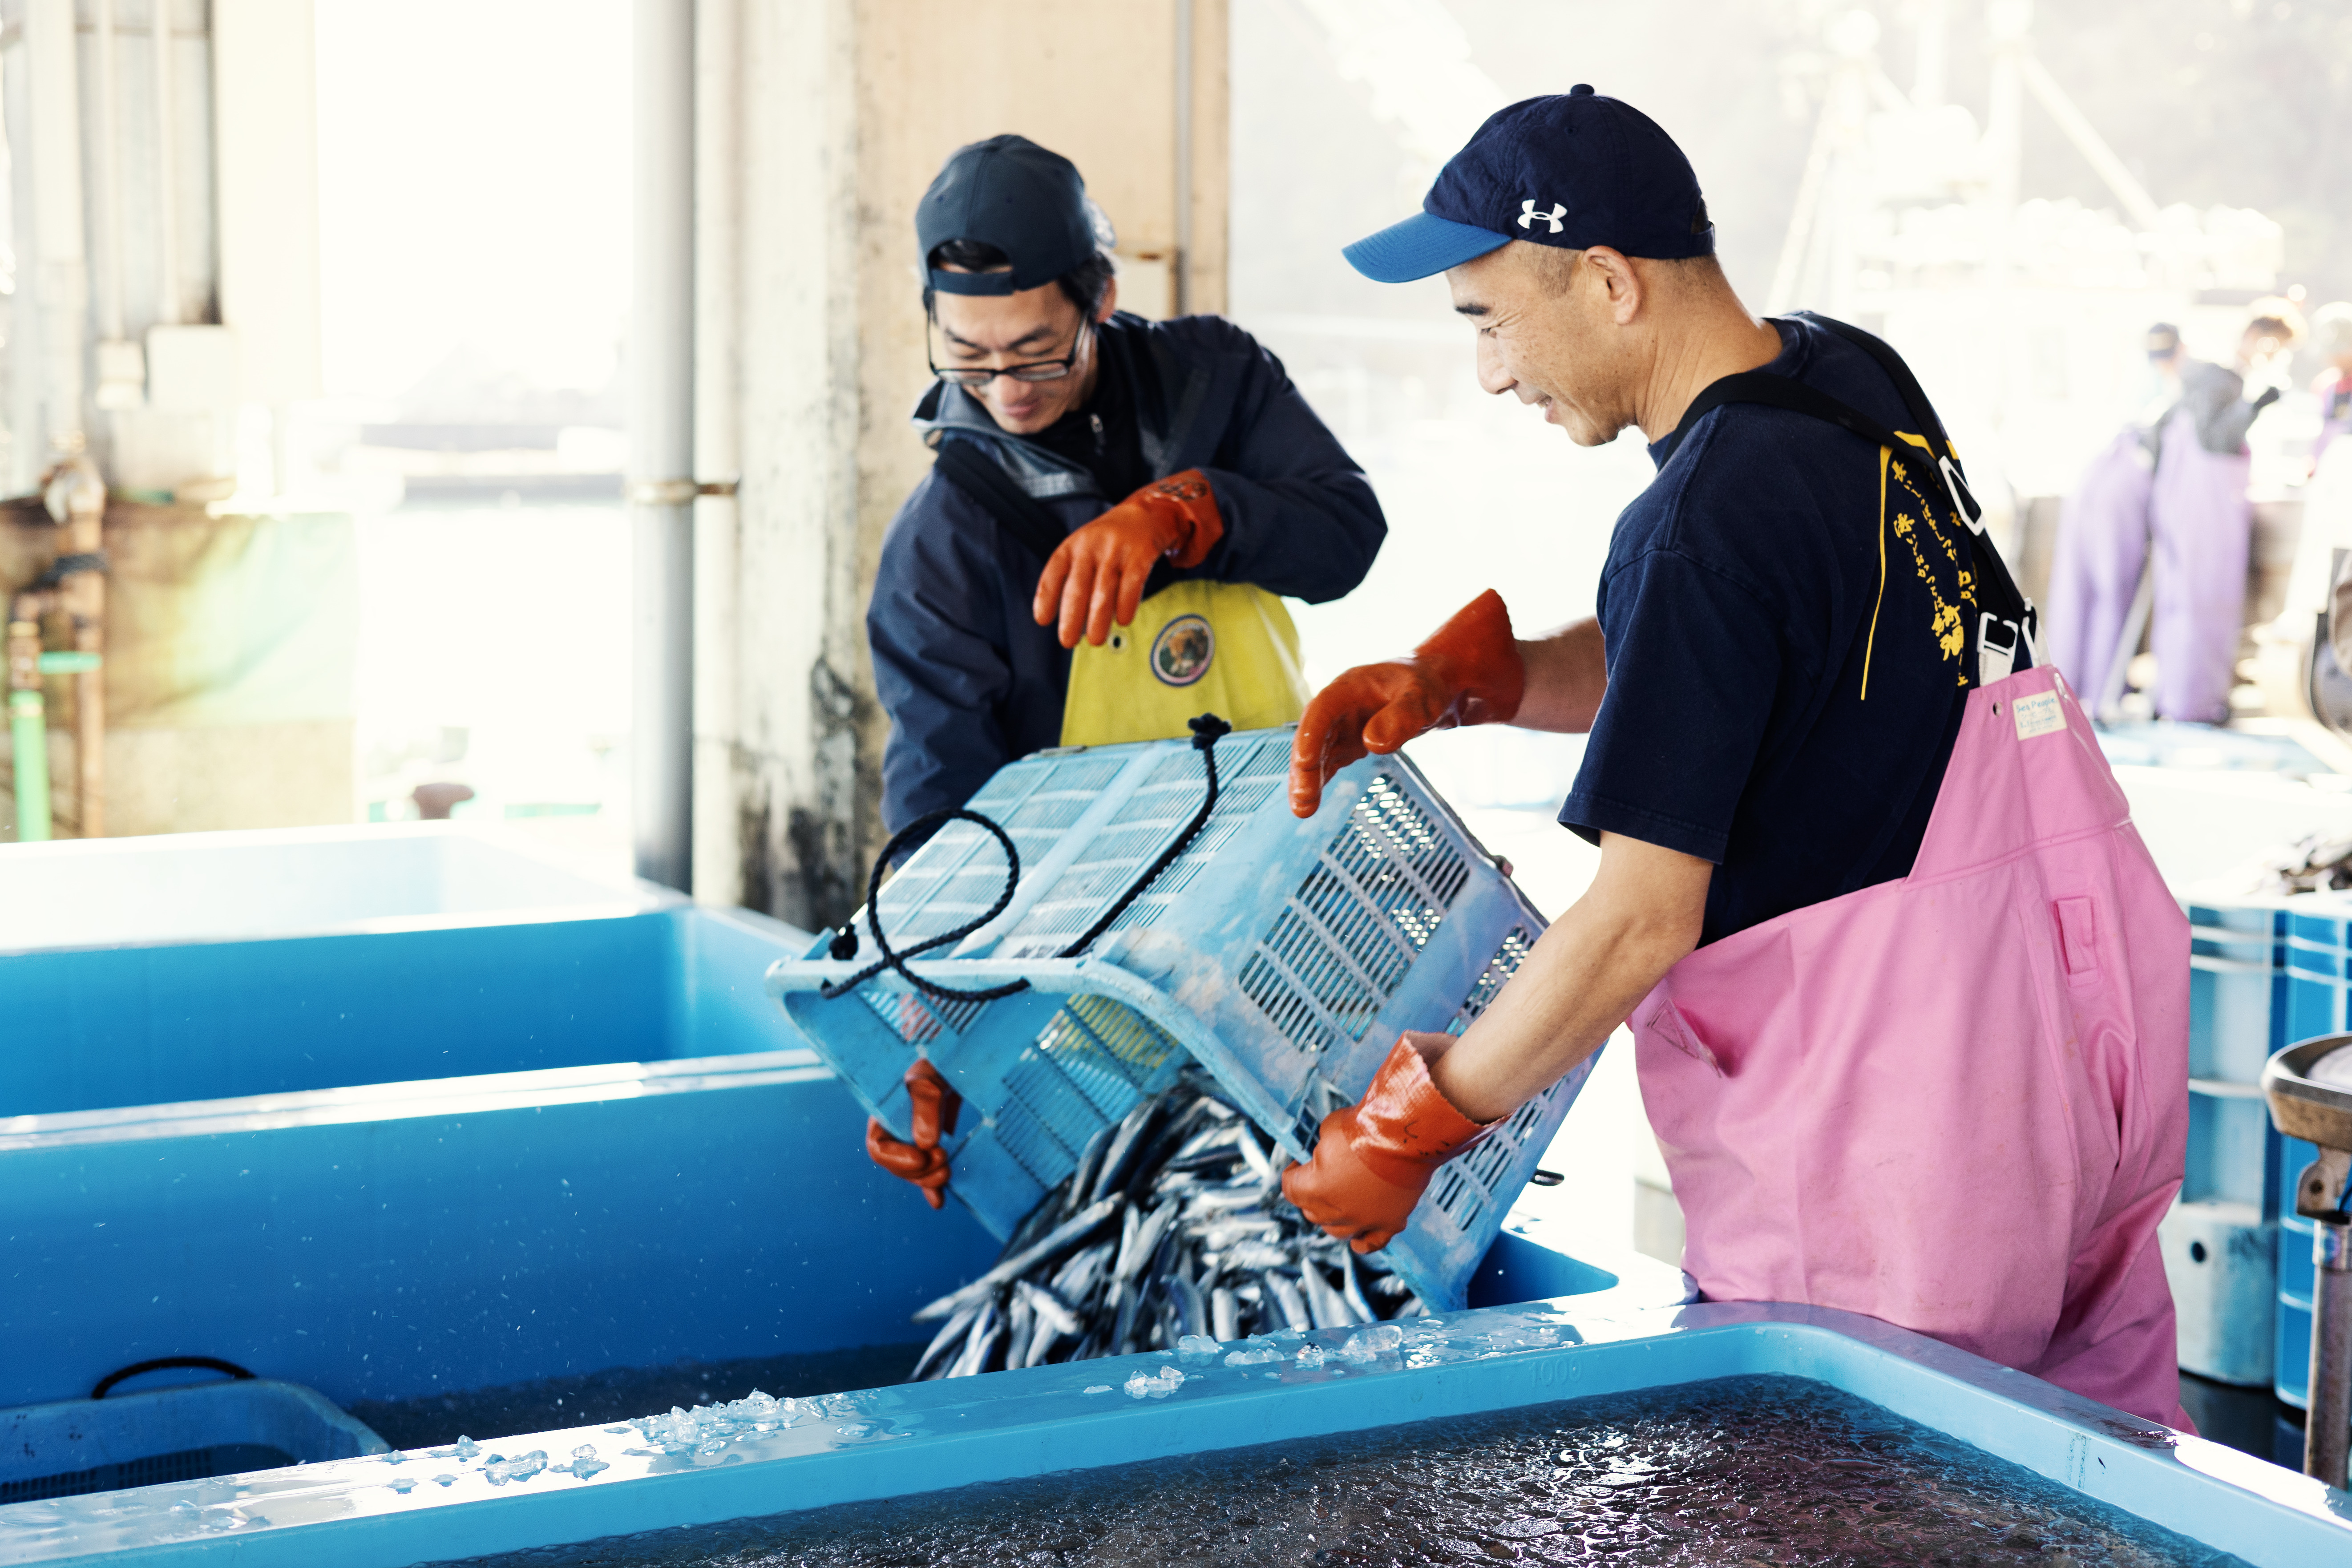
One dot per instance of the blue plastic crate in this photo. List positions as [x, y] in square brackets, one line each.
[1284, 956]
[2317, 955]
[2237, 987]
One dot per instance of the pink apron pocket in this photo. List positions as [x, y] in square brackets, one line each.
[2078, 938]
[1663, 1022]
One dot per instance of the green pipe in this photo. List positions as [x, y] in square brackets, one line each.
[28, 728]
[70, 663]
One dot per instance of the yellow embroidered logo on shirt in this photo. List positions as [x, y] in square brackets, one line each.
[1935, 556]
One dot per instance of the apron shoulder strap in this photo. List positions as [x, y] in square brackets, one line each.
[2008, 629]
[1016, 512]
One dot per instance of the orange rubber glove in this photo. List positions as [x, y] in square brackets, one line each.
[1097, 574]
[1468, 672]
[923, 1161]
[1375, 1158]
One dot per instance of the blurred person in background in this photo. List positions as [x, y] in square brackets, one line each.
[2328, 498]
[2167, 498]
[2331, 339]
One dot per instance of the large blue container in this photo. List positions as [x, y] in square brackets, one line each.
[168, 1022]
[77, 1445]
[893, 1442]
[395, 1163]
[1285, 956]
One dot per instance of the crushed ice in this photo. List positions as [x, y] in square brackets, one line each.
[498, 1471]
[1147, 1386]
[1367, 1345]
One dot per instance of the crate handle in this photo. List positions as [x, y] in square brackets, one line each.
[205, 1363]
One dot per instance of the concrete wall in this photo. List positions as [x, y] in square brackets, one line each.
[821, 122]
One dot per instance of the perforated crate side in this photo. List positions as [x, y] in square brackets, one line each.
[1039, 1074]
[1459, 1216]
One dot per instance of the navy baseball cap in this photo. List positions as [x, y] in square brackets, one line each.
[1573, 169]
[1010, 193]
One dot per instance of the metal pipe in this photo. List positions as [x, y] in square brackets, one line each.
[167, 173]
[2137, 202]
[1927, 69]
[2327, 1427]
[661, 441]
[61, 268]
[1179, 276]
[82, 595]
[110, 177]
[29, 724]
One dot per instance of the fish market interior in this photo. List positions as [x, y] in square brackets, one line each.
[1083, 782]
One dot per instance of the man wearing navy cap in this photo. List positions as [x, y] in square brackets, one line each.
[1145, 453]
[1910, 999]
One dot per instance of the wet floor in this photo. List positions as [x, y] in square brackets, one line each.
[1766, 1471]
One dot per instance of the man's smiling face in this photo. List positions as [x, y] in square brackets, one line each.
[990, 331]
[1547, 322]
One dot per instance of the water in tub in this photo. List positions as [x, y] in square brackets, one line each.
[1741, 1472]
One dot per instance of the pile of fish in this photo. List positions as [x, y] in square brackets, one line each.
[1173, 1225]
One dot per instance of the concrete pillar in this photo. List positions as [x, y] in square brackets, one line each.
[821, 124]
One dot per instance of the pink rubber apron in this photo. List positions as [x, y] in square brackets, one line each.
[1957, 1102]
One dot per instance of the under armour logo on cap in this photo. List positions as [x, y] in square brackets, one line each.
[1529, 217]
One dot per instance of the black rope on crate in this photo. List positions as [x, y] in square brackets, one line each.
[1207, 730]
[925, 825]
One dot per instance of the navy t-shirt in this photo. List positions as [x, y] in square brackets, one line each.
[1788, 649]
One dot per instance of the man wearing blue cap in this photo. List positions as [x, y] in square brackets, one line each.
[1910, 999]
[1086, 458]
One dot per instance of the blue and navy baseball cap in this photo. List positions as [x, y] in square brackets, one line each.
[1010, 193]
[1573, 169]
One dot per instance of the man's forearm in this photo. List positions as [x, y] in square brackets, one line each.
[1643, 913]
[1566, 679]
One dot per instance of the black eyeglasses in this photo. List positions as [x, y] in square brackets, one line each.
[1041, 370]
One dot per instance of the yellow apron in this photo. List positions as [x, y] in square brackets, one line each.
[1195, 646]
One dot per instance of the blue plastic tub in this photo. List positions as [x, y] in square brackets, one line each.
[162, 1023]
[897, 1441]
[78, 1446]
[491, 1144]
[399, 1240]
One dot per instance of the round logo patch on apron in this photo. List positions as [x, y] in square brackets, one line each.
[1180, 654]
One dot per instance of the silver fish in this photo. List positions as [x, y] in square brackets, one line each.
[1348, 1263]
[1224, 1314]
[949, 1341]
[1203, 1244]
[1287, 1299]
[1060, 1238]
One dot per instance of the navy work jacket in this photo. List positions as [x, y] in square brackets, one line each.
[969, 679]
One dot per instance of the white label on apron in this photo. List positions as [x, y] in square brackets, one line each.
[2039, 715]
